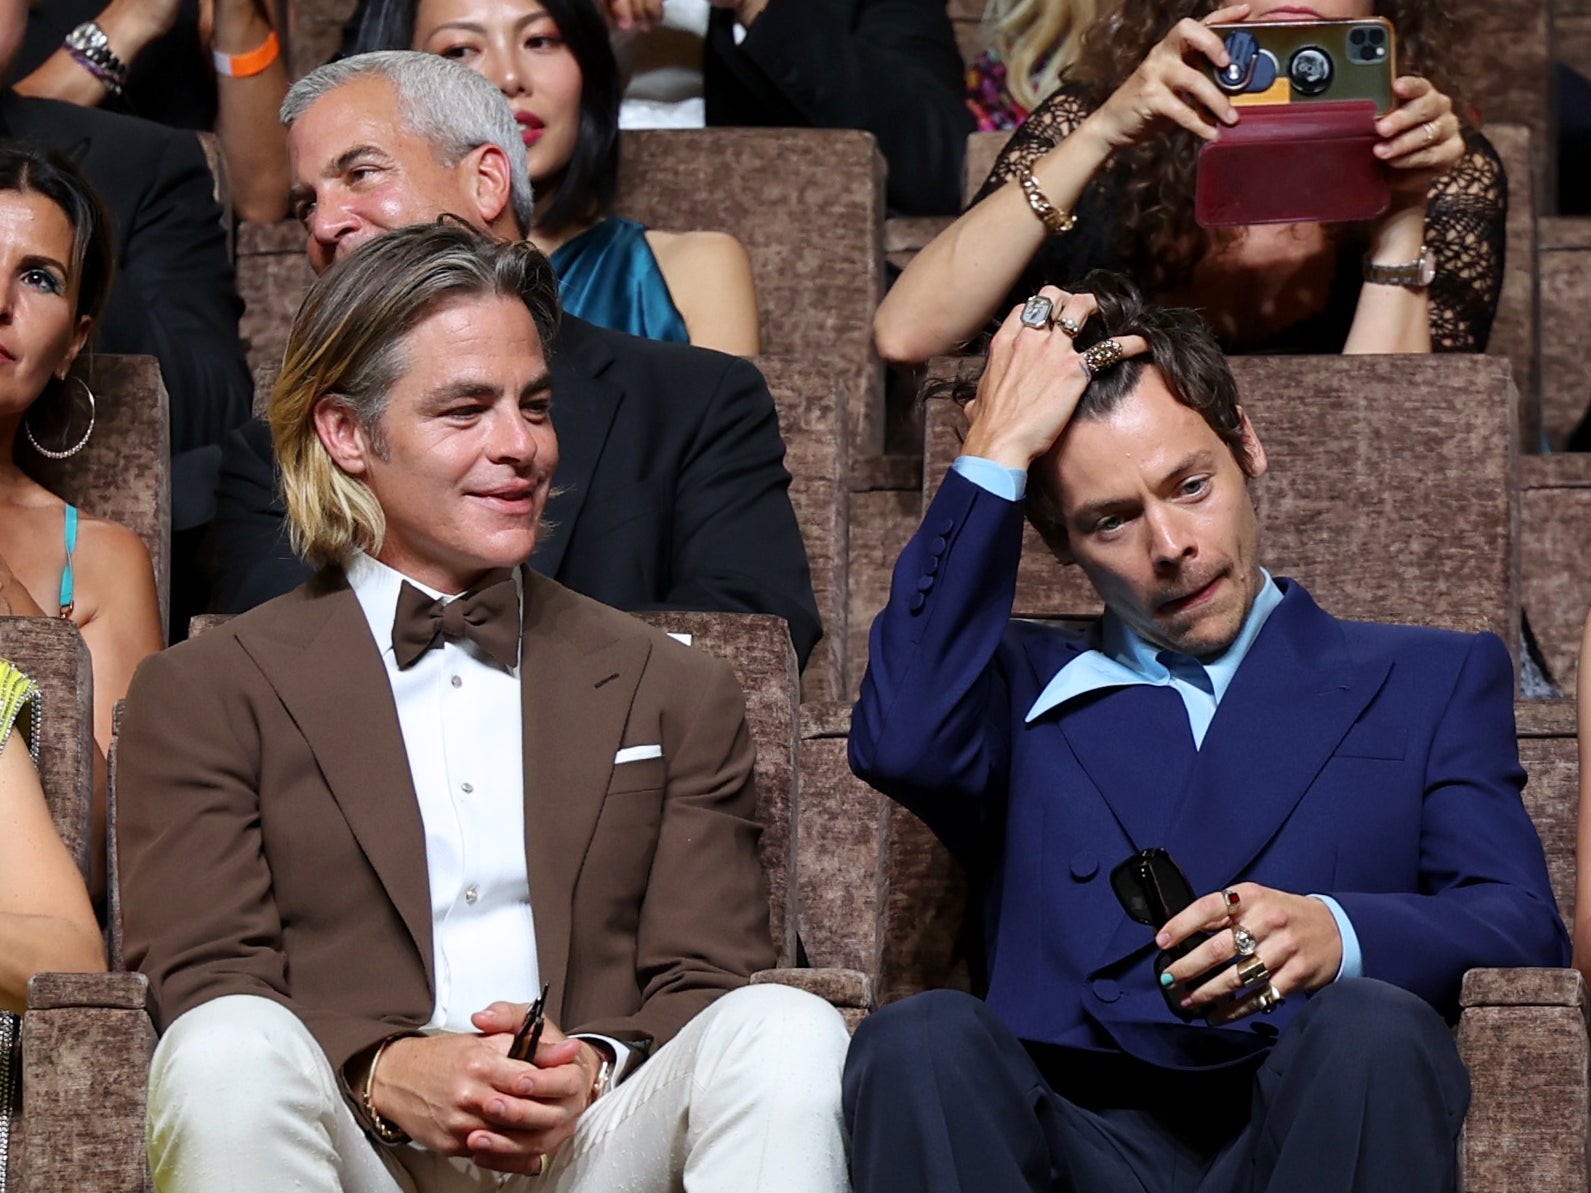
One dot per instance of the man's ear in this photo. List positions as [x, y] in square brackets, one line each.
[1254, 448]
[342, 434]
[491, 182]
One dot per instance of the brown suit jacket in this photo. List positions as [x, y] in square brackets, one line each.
[271, 842]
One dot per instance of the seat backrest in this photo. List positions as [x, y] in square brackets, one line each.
[811, 404]
[273, 277]
[1514, 330]
[757, 647]
[51, 652]
[1565, 296]
[123, 473]
[808, 204]
[1507, 60]
[1554, 565]
[982, 150]
[314, 31]
[1391, 491]
[1549, 753]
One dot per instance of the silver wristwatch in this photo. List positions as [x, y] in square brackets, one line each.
[1417, 273]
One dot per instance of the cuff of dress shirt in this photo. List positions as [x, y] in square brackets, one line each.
[1009, 483]
[1352, 959]
[621, 1053]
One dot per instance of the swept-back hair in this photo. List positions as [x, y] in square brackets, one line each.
[349, 343]
[583, 190]
[450, 107]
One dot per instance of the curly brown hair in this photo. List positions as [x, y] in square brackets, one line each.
[1160, 240]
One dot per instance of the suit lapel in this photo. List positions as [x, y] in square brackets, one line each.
[584, 404]
[1291, 703]
[328, 672]
[577, 686]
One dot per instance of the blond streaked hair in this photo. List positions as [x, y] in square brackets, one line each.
[349, 343]
[1022, 32]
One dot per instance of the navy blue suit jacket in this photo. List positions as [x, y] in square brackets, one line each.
[1373, 763]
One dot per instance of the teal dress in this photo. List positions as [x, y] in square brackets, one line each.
[608, 275]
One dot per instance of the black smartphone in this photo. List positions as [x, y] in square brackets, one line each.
[1152, 888]
[529, 1033]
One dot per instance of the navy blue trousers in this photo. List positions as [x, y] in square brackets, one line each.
[1363, 1093]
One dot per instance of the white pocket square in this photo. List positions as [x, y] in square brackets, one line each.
[636, 753]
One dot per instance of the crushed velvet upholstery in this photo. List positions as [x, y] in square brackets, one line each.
[1391, 489]
[1507, 63]
[982, 150]
[123, 474]
[273, 276]
[1555, 565]
[314, 32]
[1565, 284]
[816, 292]
[53, 653]
[905, 236]
[810, 401]
[966, 18]
[886, 505]
[757, 646]
[1514, 329]
[1523, 1031]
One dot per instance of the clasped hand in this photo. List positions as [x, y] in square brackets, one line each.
[460, 1094]
[1295, 936]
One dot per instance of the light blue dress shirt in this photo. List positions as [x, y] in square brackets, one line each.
[1125, 659]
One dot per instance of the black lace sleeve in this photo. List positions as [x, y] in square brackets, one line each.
[1464, 227]
[1091, 244]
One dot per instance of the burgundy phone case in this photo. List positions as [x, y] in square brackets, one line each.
[1293, 163]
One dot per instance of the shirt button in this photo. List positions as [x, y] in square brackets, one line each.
[466, 788]
[457, 682]
[471, 893]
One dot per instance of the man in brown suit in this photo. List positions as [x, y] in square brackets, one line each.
[363, 825]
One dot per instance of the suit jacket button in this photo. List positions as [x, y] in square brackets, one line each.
[932, 565]
[947, 526]
[1106, 990]
[925, 583]
[938, 545]
[1084, 865]
[917, 602]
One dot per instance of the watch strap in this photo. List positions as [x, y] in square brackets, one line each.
[1417, 272]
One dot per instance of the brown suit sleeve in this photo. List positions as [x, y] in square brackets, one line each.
[703, 922]
[200, 920]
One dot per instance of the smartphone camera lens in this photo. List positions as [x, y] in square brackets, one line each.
[1367, 45]
[1310, 71]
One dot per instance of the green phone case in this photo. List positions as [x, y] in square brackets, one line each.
[1317, 61]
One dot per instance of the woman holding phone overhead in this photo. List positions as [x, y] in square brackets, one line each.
[1102, 175]
[553, 62]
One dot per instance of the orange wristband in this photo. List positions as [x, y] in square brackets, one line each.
[242, 66]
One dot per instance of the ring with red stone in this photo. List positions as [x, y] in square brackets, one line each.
[1230, 898]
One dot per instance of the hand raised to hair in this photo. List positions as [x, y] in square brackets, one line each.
[640, 15]
[1172, 85]
[1032, 383]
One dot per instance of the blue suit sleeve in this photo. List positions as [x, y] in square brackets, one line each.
[1485, 898]
[932, 727]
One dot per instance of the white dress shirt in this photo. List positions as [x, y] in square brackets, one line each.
[459, 712]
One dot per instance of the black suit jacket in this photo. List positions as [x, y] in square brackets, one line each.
[671, 490]
[175, 297]
[888, 67]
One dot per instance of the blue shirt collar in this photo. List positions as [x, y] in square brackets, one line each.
[1123, 658]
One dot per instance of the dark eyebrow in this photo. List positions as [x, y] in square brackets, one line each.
[453, 391]
[348, 158]
[43, 261]
[529, 18]
[1086, 515]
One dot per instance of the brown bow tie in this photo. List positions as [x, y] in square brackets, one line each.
[488, 617]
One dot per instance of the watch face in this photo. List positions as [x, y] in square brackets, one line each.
[1427, 267]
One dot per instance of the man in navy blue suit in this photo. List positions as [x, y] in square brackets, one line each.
[1343, 799]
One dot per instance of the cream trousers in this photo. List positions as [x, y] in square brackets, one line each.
[745, 1098]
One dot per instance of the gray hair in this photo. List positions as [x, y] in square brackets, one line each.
[453, 109]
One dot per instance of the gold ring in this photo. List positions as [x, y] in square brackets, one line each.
[1430, 132]
[1251, 971]
[541, 1165]
[1099, 358]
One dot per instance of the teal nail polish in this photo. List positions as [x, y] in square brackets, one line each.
[1166, 979]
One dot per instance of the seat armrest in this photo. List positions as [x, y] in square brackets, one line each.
[1523, 1037]
[850, 991]
[86, 1044]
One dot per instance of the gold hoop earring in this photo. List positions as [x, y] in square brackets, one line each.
[93, 413]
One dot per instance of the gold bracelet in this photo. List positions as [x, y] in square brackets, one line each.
[1053, 219]
[386, 1131]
